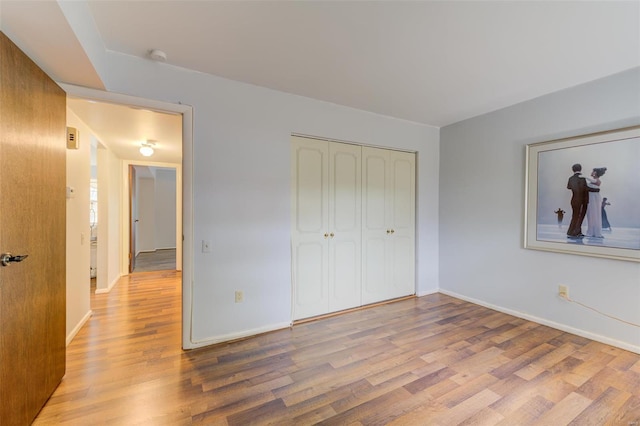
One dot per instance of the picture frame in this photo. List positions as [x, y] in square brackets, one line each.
[552, 199]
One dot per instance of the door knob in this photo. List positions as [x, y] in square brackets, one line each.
[392, 231]
[332, 235]
[7, 258]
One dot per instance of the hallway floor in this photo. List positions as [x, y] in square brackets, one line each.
[159, 260]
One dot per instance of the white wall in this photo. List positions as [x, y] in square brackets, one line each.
[78, 230]
[482, 208]
[165, 208]
[241, 188]
[155, 209]
[109, 182]
[146, 226]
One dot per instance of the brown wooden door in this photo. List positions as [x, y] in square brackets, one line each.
[32, 222]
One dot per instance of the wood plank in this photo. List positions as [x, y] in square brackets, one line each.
[400, 363]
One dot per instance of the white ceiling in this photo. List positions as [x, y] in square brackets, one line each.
[431, 62]
[123, 129]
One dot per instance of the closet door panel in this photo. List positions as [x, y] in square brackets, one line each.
[310, 222]
[344, 279]
[310, 190]
[345, 226]
[375, 218]
[402, 266]
[402, 282]
[389, 229]
[403, 217]
[311, 279]
[375, 189]
[374, 270]
[345, 191]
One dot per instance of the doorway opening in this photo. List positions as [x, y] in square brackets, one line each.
[114, 159]
[153, 211]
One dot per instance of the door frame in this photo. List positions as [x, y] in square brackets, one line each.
[127, 219]
[185, 177]
[132, 223]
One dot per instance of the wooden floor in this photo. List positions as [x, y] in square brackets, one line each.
[433, 360]
[158, 260]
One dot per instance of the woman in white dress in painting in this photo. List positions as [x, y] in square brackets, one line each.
[594, 209]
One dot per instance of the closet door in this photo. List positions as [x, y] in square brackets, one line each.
[310, 227]
[402, 223]
[345, 226]
[375, 220]
[326, 226]
[388, 259]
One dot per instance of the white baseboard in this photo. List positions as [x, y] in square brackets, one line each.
[78, 326]
[426, 293]
[552, 324]
[239, 335]
[155, 250]
[109, 287]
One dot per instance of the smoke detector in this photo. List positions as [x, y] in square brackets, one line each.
[157, 55]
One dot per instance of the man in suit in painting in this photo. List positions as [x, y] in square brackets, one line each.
[579, 201]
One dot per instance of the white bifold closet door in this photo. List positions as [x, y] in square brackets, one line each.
[388, 248]
[326, 226]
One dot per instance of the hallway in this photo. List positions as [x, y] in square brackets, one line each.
[121, 365]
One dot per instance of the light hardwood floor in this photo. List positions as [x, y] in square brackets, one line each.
[433, 360]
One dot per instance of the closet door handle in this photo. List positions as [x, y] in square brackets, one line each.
[388, 231]
[326, 235]
[332, 235]
[392, 231]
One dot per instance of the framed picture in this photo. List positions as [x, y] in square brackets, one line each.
[583, 195]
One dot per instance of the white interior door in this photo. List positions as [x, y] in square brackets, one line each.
[352, 226]
[402, 236]
[345, 226]
[310, 227]
[388, 257]
[375, 220]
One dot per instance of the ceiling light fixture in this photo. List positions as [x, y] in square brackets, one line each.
[147, 148]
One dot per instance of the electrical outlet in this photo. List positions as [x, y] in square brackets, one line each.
[239, 296]
[206, 246]
[563, 291]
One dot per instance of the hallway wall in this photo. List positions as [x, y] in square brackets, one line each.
[78, 229]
